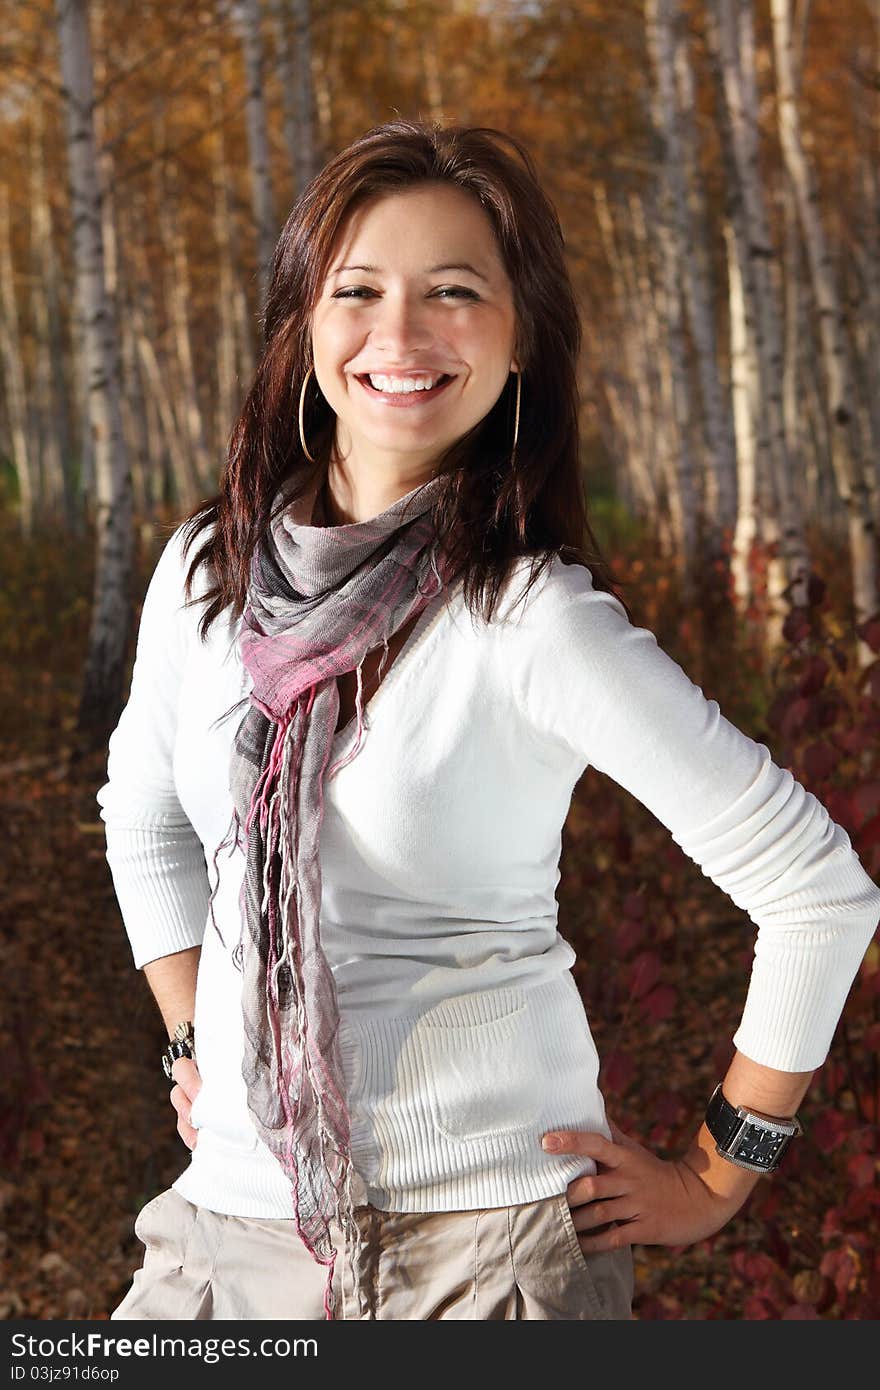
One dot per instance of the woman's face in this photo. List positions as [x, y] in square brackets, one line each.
[416, 292]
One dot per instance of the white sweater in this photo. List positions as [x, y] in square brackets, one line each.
[463, 1033]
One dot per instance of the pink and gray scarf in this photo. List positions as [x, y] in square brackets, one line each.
[320, 599]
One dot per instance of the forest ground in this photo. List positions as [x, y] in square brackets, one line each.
[87, 1133]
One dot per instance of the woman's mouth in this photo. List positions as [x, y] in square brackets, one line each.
[407, 397]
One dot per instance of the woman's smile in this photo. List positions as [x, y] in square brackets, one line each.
[388, 390]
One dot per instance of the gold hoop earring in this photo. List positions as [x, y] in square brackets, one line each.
[302, 401]
[516, 416]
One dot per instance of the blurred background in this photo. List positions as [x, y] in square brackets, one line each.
[715, 170]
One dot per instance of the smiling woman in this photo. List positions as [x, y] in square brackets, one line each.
[391, 1092]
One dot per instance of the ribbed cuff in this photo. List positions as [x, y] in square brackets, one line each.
[161, 882]
[797, 992]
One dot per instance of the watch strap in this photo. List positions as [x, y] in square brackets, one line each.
[722, 1118]
[181, 1045]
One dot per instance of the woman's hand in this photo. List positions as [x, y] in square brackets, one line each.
[188, 1084]
[648, 1200]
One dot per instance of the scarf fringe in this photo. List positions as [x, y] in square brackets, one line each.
[275, 794]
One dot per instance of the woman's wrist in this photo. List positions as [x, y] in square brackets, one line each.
[764, 1091]
[724, 1180]
[172, 980]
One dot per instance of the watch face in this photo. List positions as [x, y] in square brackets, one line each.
[759, 1146]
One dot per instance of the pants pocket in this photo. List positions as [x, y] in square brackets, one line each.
[163, 1226]
[608, 1274]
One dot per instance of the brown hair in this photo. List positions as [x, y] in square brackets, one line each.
[489, 511]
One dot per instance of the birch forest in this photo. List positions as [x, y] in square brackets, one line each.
[715, 165]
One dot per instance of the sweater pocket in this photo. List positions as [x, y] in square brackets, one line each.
[472, 1049]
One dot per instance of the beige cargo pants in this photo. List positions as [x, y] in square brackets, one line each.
[519, 1262]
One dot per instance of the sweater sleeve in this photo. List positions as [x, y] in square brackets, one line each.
[156, 858]
[603, 687]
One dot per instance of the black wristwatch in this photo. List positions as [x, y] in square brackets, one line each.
[753, 1141]
[181, 1045]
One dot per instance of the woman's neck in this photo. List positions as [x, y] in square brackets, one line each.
[347, 499]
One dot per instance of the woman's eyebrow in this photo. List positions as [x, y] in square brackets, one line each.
[433, 270]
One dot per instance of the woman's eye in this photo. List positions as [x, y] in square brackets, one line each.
[458, 291]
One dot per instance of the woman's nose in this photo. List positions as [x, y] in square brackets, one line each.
[401, 325]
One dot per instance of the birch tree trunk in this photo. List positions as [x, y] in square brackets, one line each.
[297, 92]
[701, 292]
[117, 277]
[756, 493]
[48, 325]
[140, 437]
[235, 348]
[674, 236]
[279, 10]
[840, 410]
[323, 100]
[743, 394]
[227, 376]
[731, 41]
[178, 294]
[14, 378]
[794, 335]
[652, 304]
[248, 16]
[637, 264]
[680, 239]
[432, 80]
[101, 695]
[633, 419]
[867, 252]
[185, 484]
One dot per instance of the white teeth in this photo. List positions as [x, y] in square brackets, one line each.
[402, 385]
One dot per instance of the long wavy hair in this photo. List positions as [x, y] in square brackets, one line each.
[490, 509]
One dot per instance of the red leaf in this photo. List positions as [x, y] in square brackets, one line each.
[813, 677]
[617, 1073]
[861, 1204]
[627, 935]
[865, 802]
[828, 711]
[870, 833]
[759, 1309]
[797, 716]
[801, 1311]
[758, 1267]
[871, 1040]
[635, 905]
[861, 1169]
[644, 973]
[819, 761]
[830, 1129]
[660, 1003]
[838, 804]
[841, 1266]
[832, 1224]
[34, 1142]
